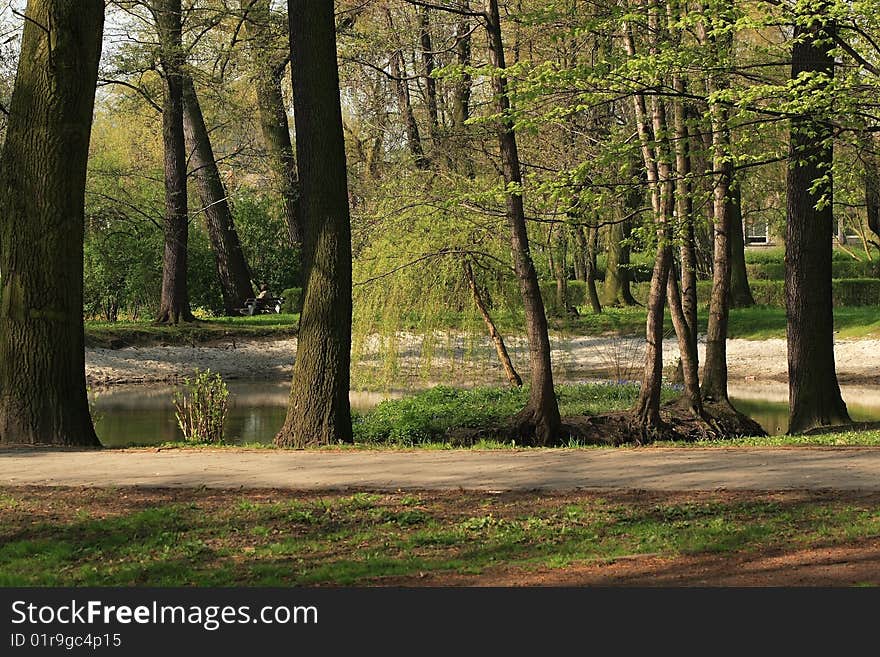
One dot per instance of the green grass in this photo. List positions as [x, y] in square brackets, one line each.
[424, 417]
[125, 333]
[126, 537]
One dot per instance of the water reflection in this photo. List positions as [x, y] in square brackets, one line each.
[144, 414]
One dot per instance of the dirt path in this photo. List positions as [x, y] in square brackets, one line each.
[684, 469]
[858, 361]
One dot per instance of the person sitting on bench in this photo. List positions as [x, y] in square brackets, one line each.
[264, 292]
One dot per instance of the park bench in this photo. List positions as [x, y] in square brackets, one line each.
[267, 305]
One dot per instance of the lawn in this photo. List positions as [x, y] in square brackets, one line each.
[125, 333]
[755, 323]
[133, 537]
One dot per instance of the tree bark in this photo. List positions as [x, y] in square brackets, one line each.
[461, 99]
[539, 422]
[561, 249]
[684, 208]
[814, 394]
[404, 103]
[687, 344]
[715, 368]
[430, 81]
[233, 272]
[740, 291]
[319, 412]
[268, 73]
[500, 348]
[43, 398]
[592, 244]
[174, 303]
[657, 160]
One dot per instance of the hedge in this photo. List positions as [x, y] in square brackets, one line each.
[775, 271]
[292, 300]
[845, 292]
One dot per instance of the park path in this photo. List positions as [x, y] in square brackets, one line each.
[561, 469]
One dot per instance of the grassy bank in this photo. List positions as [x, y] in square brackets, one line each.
[756, 323]
[131, 537]
[114, 335]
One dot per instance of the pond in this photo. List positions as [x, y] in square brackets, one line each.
[144, 414]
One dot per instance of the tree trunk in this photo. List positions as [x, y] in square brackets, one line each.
[43, 398]
[616, 288]
[740, 291]
[559, 270]
[174, 303]
[500, 348]
[814, 395]
[268, 73]
[657, 160]
[461, 99]
[539, 422]
[715, 368]
[319, 412]
[404, 103]
[687, 345]
[232, 268]
[684, 208]
[590, 269]
[430, 81]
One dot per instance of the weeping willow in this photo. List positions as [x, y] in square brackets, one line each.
[415, 321]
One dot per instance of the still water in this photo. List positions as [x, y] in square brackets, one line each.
[144, 414]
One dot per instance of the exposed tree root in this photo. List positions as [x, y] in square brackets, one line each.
[678, 422]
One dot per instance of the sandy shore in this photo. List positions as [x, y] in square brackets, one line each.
[459, 357]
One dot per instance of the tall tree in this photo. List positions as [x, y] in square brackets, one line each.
[174, 303]
[814, 394]
[42, 198]
[319, 412]
[715, 369]
[539, 422]
[233, 272]
[268, 66]
[740, 290]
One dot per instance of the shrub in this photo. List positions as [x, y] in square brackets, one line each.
[846, 292]
[577, 295]
[201, 407]
[775, 271]
[293, 300]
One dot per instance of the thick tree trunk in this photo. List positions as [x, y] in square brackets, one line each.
[740, 291]
[233, 272]
[500, 348]
[43, 397]
[268, 73]
[814, 394]
[174, 304]
[616, 287]
[319, 412]
[430, 81]
[539, 422]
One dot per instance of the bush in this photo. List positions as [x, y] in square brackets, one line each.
[201, 408]
[577, 295]
[293, 301]
[775, 271]
[846, 292]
